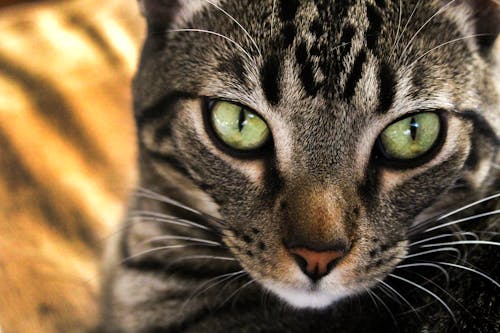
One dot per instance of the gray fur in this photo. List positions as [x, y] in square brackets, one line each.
[328, 77]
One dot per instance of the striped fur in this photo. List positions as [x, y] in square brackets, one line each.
[328, 76]
[65, 163]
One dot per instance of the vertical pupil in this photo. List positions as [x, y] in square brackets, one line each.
[413, 128]
[241, 121]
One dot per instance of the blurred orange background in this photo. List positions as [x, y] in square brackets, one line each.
[67, 154]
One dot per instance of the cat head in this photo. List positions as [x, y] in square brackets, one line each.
[320, 132]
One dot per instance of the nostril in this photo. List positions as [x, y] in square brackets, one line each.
[316, 264]
[301, 262]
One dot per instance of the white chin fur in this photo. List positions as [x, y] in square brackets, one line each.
[302, 298]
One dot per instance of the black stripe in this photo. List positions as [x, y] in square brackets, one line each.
[81, 23]
[348, 33]
[355, 76]
[270, 75]
[381, 3]
[288, 34]
[375, 24]
[307, 78]
[160, 108]
[301, 53]
[54, 108]
[288, 9]
[387, 81]
[234, 67]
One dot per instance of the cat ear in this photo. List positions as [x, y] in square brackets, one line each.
[159, 12]
[486, 16]
[164, 13]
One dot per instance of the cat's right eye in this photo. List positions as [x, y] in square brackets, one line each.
[238, 127]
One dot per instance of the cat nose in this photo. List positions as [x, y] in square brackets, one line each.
[316, 264]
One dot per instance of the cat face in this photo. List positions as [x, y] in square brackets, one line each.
[318, 131]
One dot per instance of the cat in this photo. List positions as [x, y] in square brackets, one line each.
[312, 166]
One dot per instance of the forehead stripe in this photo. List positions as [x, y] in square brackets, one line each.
[269, 76]
[355, 76]
[375, 25]
[387, 81]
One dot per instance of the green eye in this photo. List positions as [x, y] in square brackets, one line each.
[411, 137]
[237, 127]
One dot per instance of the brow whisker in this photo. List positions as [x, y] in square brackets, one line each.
[441, 10]
[239, 25]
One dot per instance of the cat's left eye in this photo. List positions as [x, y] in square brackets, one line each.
[238, 127]
[411, 137]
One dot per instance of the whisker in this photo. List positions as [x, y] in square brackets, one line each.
[441, 10]
[491, 197]
[220, 279]
[170, 247]
[445, 249]
[160, 217]
[386, 308]
[238, 23]
[190, 239]
[387, 285]
[396, 43]
[218, 35]
[445, 273]
[470, 270]
[472, 234]
[463, 220]
[162, 198]
[237, 291]
[444, 44]
[470, 242]
[428, 292]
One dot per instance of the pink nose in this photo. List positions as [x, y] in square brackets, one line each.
[316, 264]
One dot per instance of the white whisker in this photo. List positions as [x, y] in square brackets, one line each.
[190, 239]
[491, 197]
[387, 285]
[470, 242]
[396, 44]
[446, 249]
[444, 236]
[463, 220]
[441, 10]
[161, 248]
[219, 279]
[470, 270]
[238, 23]
[155, 216]
[386, 307]
[428, 292]
[218, 35]
[445, 273]
[238, 290]
[444, 44]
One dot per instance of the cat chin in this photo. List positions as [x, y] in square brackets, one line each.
[303, 298]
